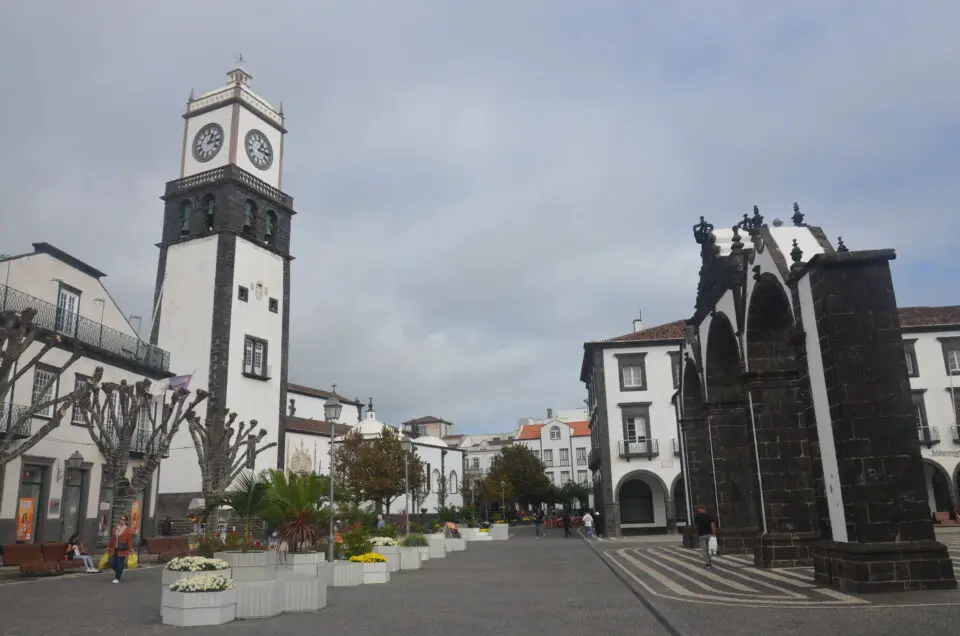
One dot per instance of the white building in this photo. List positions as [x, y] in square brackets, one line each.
[308, 449]
[931, 337]
[308, 404]
[561, 415]
[41, 487]
[223, 276]
[563, 447]
[635, 456]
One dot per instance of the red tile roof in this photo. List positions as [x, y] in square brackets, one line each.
[532, 431]
[669, 331]
[929, 316]
[529, 431]
[315, 427]
[580, 429]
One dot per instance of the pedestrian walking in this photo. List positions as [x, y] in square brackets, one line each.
[588, 524]
[706, 529]
[566, 523]
[538, 523]
[121, 541]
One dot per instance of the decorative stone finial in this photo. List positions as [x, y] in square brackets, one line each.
[796, 253]
[702, 231]
[737, 245]
[840, 245]
[757, 217]
[797, 215]
[777, 223]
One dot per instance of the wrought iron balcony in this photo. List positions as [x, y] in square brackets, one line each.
[593, 459]
[10, 414]
[640, 448]
[582, 461]
[89, 333]
[676, 447]
[564, 462]
[928, 435]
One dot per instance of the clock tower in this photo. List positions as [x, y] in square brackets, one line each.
[222, 297]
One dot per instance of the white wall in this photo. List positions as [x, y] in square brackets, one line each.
[254, 398]
[663, 423]
[568, 442]
[311, 407]
[185, 320]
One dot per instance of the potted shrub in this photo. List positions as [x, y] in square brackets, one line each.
[208, 599]
[389, 548]
[349, 573]
[374, 567]
[418, 542]
[186, 567]
[292, 505]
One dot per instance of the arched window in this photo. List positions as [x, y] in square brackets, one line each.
[209, 206]
[249, 215]
[270, 229]
[184, 217]
[437, 478]
[554, 432]
[453, 483]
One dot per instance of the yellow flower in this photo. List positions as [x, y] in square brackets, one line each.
[369, 557]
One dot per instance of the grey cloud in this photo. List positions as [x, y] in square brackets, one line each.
[483, 187]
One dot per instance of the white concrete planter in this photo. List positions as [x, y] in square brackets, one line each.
[375, 573]
[438, 547]
[469, 534]
[424, 553]
[251, 566]
[392, 553]
[304, 563]
[483, 536]
[302, 593]
[192, 609]
[455, 545]
[346, 574]
[255, 581]
[169, 576]
[410, 558]
[499, 531]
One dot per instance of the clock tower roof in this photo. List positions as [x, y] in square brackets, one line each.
[237, 88]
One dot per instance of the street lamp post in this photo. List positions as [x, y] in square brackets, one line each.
[406, 445]
[331, 413]
[503, 505]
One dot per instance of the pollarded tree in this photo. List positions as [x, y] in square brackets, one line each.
[18, 333]
[224, 450]
[126, 417]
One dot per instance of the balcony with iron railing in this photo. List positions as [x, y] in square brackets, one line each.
[676, 447]
[10, 415]
[648, 448]
[564, 462]
[89, 333]
[928, 435]
[582, 461]
[593, 459]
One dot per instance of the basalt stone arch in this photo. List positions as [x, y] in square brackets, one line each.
[940, 492]
[695, 442]
[731, 439]
[678, 491]
[783, 438]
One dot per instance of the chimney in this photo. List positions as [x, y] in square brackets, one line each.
[549, 414]
[638, 323]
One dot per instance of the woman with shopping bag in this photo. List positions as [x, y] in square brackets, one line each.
[121, 541]
[707, 529]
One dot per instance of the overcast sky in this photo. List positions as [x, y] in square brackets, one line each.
[483, 186]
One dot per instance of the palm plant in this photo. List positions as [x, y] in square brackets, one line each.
[293, 506]
[249, 498]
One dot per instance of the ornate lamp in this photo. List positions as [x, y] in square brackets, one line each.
[332, 408]
[75, 460]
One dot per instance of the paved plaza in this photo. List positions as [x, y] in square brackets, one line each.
[648, 586]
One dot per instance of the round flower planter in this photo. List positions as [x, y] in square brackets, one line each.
[437, 547]
[409, 558]
[169, 576]
[193, 609]
[455, 545]
[302, 593]
[347, 574]
[255, 581]
[392, 554]
[375, 573]
[499, 531]
[304, 563]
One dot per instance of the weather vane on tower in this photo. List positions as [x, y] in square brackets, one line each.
[239, 59]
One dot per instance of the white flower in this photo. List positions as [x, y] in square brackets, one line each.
[383, 541]
[203, 583]
[196, 564]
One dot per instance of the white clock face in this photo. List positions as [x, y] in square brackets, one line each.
[208, 142]
[259, 149]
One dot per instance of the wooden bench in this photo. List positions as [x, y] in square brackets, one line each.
[943, 518]
[168, 547]
[30, 558]
[57, 552]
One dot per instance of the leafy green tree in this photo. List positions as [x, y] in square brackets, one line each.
[375, 469]
[571, 492]
[523, 471]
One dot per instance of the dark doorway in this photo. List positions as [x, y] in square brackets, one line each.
[680, 500]
[636, 502]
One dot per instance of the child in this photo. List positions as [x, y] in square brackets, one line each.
[75, 550]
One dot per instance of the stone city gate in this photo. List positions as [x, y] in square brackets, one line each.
[795, 413]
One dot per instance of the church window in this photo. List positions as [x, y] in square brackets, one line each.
[274, 305]
[255, 357]
[243, 293]
[249, 214]
[184, 217]
[209, 206]
[270, 230]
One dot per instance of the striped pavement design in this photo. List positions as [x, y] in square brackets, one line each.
[673, 572]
